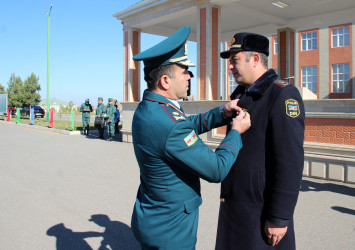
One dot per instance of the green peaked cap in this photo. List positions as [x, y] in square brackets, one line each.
[171, 50]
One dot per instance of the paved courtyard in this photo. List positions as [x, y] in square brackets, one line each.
[51, 184]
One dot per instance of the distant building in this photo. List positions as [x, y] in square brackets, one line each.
[311, 42]
[55, 104]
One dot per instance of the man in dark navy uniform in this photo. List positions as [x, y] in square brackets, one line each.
[171, 156]
[259, 195]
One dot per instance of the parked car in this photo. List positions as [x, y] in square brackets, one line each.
[38, 111]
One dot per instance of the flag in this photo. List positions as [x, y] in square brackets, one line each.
[18, 115]
[51, 118]
[72, 120]
[32, 116]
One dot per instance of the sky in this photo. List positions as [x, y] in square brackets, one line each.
[86, 47]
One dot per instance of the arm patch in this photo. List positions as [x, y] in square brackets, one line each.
[292, 108]
[191, 138]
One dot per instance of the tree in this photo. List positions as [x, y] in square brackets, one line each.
[14, 91]
[23, 93]
[2, 89]
[30, 91]
[71, 104]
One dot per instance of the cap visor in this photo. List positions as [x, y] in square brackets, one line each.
[226, 54]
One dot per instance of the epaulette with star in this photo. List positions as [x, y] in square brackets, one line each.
[281, 83]
[174, 113]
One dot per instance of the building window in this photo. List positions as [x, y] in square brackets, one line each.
[340, 37]
[232, 83]
[309, 78]
[309, 41]
[276, 46]
[341, 78]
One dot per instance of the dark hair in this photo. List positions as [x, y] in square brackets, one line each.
[152, 76]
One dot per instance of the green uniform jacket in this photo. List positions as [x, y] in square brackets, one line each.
[85, 113]
[101, 109]
[111, 111]
[172, 159]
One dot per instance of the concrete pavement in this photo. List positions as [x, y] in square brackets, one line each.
[48, 178]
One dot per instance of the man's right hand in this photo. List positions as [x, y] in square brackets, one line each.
[274, 233]
[241, 122]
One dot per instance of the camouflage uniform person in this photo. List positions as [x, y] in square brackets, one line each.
[86, 109]
[100, 110]
[111, 112]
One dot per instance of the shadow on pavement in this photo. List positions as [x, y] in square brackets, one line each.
[344, 210]
[95, 135]
[307, 186]
[69, 240]
[117, 235]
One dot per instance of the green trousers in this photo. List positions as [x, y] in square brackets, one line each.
[86, 123]
[111, 128]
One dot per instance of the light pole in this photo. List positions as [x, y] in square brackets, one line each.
[48, 29]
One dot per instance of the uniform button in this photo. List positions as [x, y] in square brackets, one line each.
[223, 200]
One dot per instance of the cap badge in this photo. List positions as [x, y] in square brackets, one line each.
[236, 46]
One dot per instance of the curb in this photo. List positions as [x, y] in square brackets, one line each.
[59, 131]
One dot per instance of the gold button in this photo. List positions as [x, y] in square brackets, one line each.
[223, 200]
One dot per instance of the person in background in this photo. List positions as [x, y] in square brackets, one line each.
[259, 195]
[189, 90]
[111, 112]
[117, 117]
[100, 110]
[86, 110]
[171, 156]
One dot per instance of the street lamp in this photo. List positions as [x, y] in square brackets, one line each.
[48, 26]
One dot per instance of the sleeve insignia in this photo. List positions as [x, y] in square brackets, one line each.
[292, 108]
[191, 138]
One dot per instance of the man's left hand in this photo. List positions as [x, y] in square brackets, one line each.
[274, 233]
[231, 108]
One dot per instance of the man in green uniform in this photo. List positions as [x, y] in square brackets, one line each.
[100, 110]
[86, 109]
[111, 112]
[171, 156]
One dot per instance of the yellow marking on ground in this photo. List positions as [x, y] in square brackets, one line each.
[38, 130]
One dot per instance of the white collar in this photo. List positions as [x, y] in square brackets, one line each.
[175, 102]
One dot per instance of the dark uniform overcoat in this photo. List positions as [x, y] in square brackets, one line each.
[172, 159]
[265, 180]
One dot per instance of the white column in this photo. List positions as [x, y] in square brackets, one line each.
[131, 73]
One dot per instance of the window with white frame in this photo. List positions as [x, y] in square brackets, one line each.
[309, 41]
[340, 37]
[341, 78]
[232, 83]
[276, 46]
[309, 78]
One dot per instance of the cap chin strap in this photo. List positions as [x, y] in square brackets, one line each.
[174, 60]
[187, 63]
